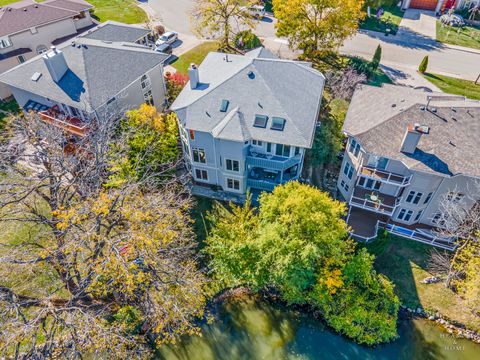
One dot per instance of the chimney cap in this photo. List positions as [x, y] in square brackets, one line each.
[193, 65]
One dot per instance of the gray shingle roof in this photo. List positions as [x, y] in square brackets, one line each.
[27, 14]
[253, 85]
[74, 5]
[97, 72]
[113, 31]
[379, 117]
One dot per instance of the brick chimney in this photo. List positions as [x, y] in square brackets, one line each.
[412, 137]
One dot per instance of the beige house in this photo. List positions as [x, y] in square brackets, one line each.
[28, 28]
[409, 152]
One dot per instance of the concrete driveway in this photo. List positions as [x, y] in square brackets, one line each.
[418, 22]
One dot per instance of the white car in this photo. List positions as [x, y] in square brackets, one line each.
[167, 38]
[257, 11]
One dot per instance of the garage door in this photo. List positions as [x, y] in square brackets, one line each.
[424, 4]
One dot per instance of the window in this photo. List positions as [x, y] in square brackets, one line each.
[348, 170]
[260, 121]
[21, 59]
[278, 123]
[192, 134]
[419, 214]
[145, 81]
[257, 143]
[414, 197]
[344, 185]
[405, 215]
[297, 150]
[439, 219]
[148, 97]
[224, 105]
[354, 147]
[233, 184]
[369, 183]
[382, 163]
[201, 174]
[232, 165]
[269, 147]
[454, 197]
[427, 199]
[199, 156]
[4, 43]
[282, 150]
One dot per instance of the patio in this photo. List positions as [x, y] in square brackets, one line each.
[373, 200]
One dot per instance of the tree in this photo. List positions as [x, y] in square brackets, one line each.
[297, 243]
[113, 269]
[422, 68]
[175, 83]
[246, 40]
[221, 18]
[317, 26]
[377, 57]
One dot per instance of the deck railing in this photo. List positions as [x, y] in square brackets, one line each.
[273, 163]
[375, 206]
[67, 123]
[384, 176]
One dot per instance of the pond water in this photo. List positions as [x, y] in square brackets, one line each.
[256, 330]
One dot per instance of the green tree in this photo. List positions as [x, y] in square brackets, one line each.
[298, 243]
[377, 57]
[317, 26]
[246, 40]
[423, 65]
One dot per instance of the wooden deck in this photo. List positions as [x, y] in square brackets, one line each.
[384, 176]
[362, 198]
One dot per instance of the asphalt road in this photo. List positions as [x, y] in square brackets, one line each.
[402, 53]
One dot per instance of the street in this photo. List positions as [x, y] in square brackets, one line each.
[401, 54]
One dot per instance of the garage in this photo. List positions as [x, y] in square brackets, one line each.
[424, 4]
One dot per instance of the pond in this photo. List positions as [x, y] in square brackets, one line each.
[257, 330]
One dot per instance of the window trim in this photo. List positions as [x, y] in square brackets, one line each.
[233, 182]
[196, 153]
[201, 172]
[232, 166]
[405, 215]
[414, 197]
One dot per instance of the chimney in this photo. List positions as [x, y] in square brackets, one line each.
[194, 76]
[56, 63]
[412, 137]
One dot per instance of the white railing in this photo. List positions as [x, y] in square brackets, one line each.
[384, 176]
[377, 207]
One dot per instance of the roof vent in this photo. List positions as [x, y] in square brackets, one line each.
[394, 105]
[224, 105]
[434, 110]
[36, 76]
[251, 75]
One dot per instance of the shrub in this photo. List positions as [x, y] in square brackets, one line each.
[175, 83]
[376, 58]
[160, 29]
[246, 40]
[423, 65]
[361, 66]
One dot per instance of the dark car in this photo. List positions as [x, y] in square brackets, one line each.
[164, 48]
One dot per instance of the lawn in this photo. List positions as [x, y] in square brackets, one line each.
[405, 263]
[125, 11]
[10, 107]
[468, 36]
[389, 20]
[196, 55]
[455, 86]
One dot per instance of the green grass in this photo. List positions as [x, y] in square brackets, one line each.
[405, 263]
[468, 36]
[126, 11]
[195, 55]
[389, 20]
[379, 78]
[455, 86]
[10, 107]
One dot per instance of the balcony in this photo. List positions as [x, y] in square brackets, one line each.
[384, 176]
[70, 124]
[272, 162]
[373, 201]
[266, 180]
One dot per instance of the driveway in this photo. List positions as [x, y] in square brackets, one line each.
[418, 22]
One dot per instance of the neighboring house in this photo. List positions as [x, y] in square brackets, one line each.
[28, 28]
[408, 152]
[436, 5]
[246, 121]
[86, 78]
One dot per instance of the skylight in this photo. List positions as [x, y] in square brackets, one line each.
[260, 121]
[278, 123]
[224, 105]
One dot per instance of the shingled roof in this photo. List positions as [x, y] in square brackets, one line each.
[114, 31]
[256, 84]
[379, 116]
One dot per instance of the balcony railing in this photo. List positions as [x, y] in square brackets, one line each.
[261, 184]
[384, 176]
[374, 201]
[71, 124]
[272, 162]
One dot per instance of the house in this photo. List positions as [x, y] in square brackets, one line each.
[246, 121]
[90, 77]
[408, 152]
[28, 28]
[436, 5]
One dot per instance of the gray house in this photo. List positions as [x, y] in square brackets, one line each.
[28, 28]
[245, 121]
[408, 153]
[90, 77]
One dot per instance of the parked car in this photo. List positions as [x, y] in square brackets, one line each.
[257, 11]
[452, 20]
[164, 48]
[167, 38]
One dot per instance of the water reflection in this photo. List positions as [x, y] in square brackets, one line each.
[255, 330]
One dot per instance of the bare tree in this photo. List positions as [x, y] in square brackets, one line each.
[343, 84]
[120, 261]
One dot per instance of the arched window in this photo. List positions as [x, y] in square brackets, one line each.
[41, 49]
[145, 81]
